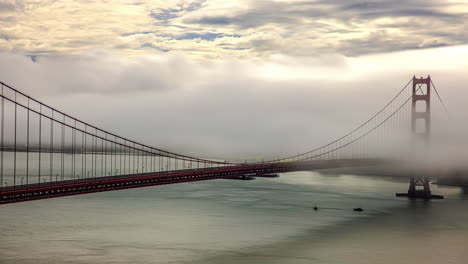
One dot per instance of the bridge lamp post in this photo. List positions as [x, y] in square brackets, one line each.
[22, 180]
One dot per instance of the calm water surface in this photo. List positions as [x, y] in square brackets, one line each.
[226, 221]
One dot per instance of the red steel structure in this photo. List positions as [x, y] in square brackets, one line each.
[421, 93]
[45, 153]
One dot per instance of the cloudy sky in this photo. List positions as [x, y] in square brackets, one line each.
[216, 29]
[229, 78]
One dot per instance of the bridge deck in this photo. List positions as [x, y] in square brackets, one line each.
[30, 192]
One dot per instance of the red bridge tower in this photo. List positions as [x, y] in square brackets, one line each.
[421, 135]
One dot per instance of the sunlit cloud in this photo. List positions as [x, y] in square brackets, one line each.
[215, 29]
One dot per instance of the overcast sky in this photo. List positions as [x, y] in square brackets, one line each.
[232, 78]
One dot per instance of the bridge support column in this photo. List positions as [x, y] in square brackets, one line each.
[422, 182]
[420, 94]
[415, 192]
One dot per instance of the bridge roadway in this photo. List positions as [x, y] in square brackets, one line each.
[29, 192]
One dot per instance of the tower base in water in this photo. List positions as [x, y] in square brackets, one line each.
[420, 195]
[424, 193]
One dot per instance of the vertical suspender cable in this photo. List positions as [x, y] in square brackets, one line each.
[105, 156]
[93, 161]
[129, 154]
[134, 157]
[125, 157]
[27, 144]
[85, 168]
[143, 158]
[51, 162]
[138, 159]
[102, 157]
[95, 153]
[74, 151]
[111, 157]
[14, 162]
[82, 155]
[127, 171]
[115, 156]
[120, 158]
[40, 141]
[63, 149]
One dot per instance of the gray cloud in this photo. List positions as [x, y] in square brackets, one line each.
[4, 6]
[8, 19]
[165, 15]
[264, 12]
[426, 21]
[3, 36]
[381, 43]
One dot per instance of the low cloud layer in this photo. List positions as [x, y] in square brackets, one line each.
[270, 107]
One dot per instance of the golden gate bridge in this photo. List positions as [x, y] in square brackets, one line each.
[45, 153]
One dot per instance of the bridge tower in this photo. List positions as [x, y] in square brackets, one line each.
[421, 135]
[421, 95]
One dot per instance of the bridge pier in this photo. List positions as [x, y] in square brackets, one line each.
[415, 192]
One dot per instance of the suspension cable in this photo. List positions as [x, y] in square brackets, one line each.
[351, 132]
[440, 99]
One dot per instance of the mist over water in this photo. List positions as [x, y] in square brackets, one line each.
[226, 221]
